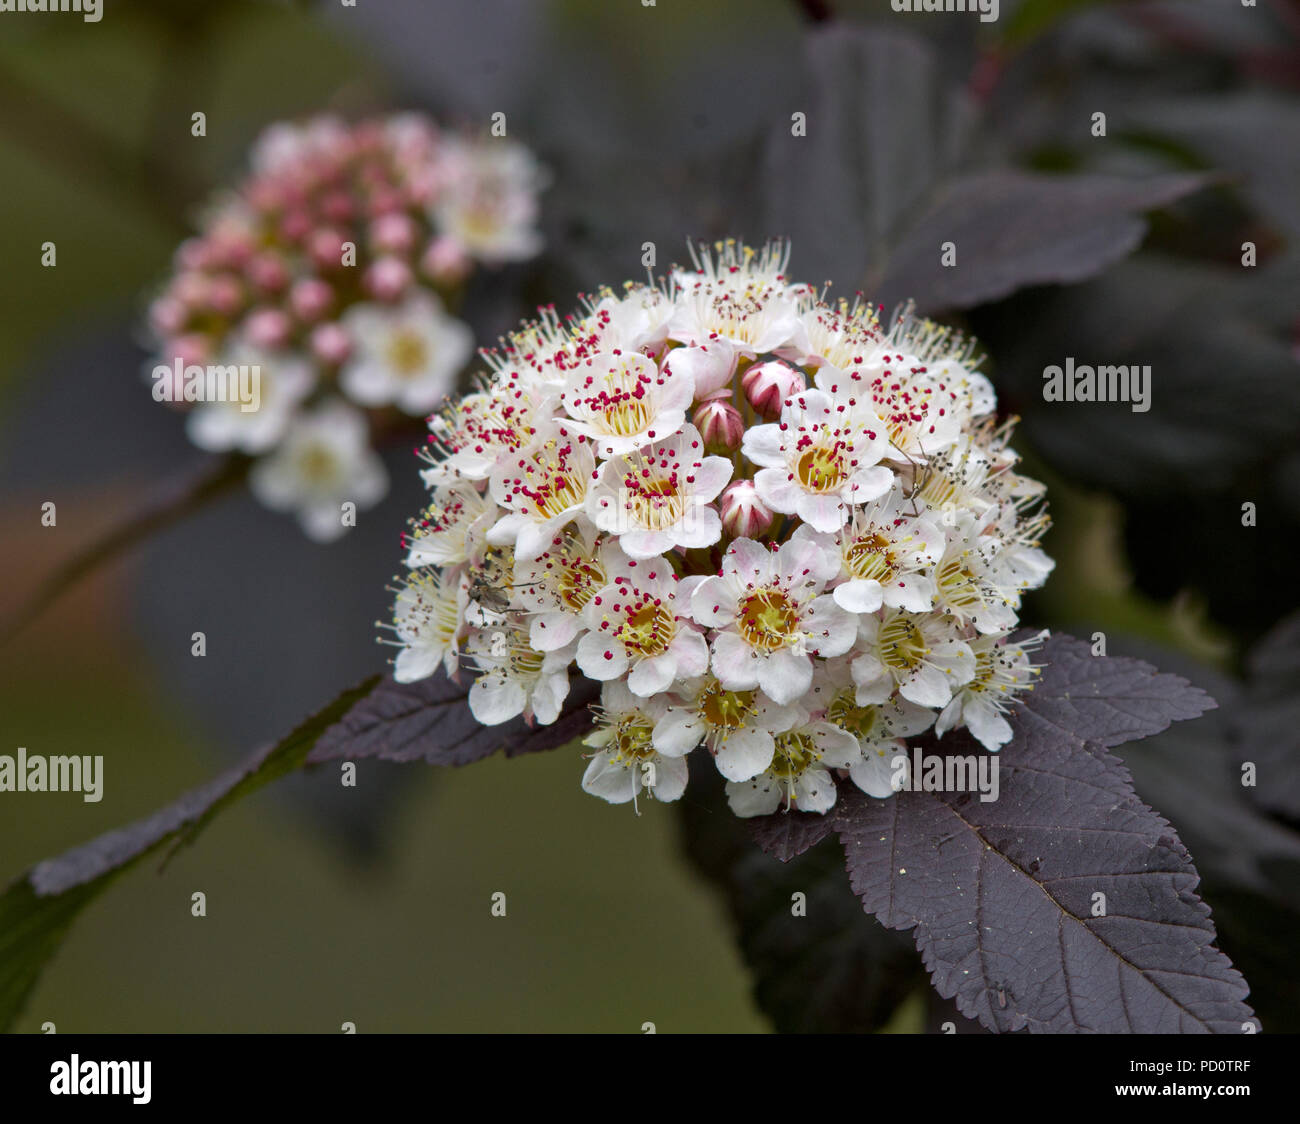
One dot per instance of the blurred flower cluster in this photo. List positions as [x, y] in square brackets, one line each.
[768, 524]
[332, 272]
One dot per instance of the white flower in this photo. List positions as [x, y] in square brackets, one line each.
[955, 482]
[428, 618]
[453, 529]
[886, 554]
[284, 145]
[1001, 669]
[283, 382]
[476, 435]
[660, 497]
[878, 727]
[919, 656]
[737, 726]
[637, 628]
[966, 580]
[324, 462]
[514, 678]
[623, 401]
[772, 616]
[628, 760]
[840, 581]
[799, 776]
[820, 458]
[741, 298]
[408, 355]
[555, 586]
[711, 367]
[635, 322]
[490, 203]
[543, 488]
[922, 414]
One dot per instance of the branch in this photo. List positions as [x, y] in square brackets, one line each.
[167, 505]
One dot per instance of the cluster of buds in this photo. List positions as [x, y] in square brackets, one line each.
[769, 525]
[316, 305]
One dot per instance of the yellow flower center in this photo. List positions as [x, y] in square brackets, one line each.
[902, 647]
[820, 469]
[844, 712]
[795, 752]
[869, 558]
[408, 354]
[769, 620]
[725, 710]
[648, 630]
[631, 740]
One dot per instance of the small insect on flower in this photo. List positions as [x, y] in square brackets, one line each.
[778, 531]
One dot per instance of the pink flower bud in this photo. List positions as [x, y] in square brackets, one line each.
[310, 299]
[267, 327]
[386, 199]
[191, 348]
[768, 385]
[387, 279]
[194, 253]
[296, 225]
[326, 248]
[268, 273]
[167, 316]
[445, 261]
[720, 424]
[330, 343]
[191, 290]
[393, 233]
[338, 206]
[744, 516]
[226, 294]
[264, 195]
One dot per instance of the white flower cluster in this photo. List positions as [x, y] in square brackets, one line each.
[321, 289]
[767, 524]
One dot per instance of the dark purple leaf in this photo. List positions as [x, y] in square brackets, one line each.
[1011, 229]
[884, 177]
[884, 123]
[430, 721]
[784, 835]
[1082, 698]
[1000, 894]
[822, 967]
[1268, 725]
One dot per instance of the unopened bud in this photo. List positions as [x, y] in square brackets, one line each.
[446, 261]
[330, 343]
[744, 516]
[268, 273]
[387, 279]
[720, 425]
[768, 385]
[225, 294]
[393, 233]
[267, 328]
[310, 298]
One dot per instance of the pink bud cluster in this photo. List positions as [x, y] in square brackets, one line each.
[338, 259]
